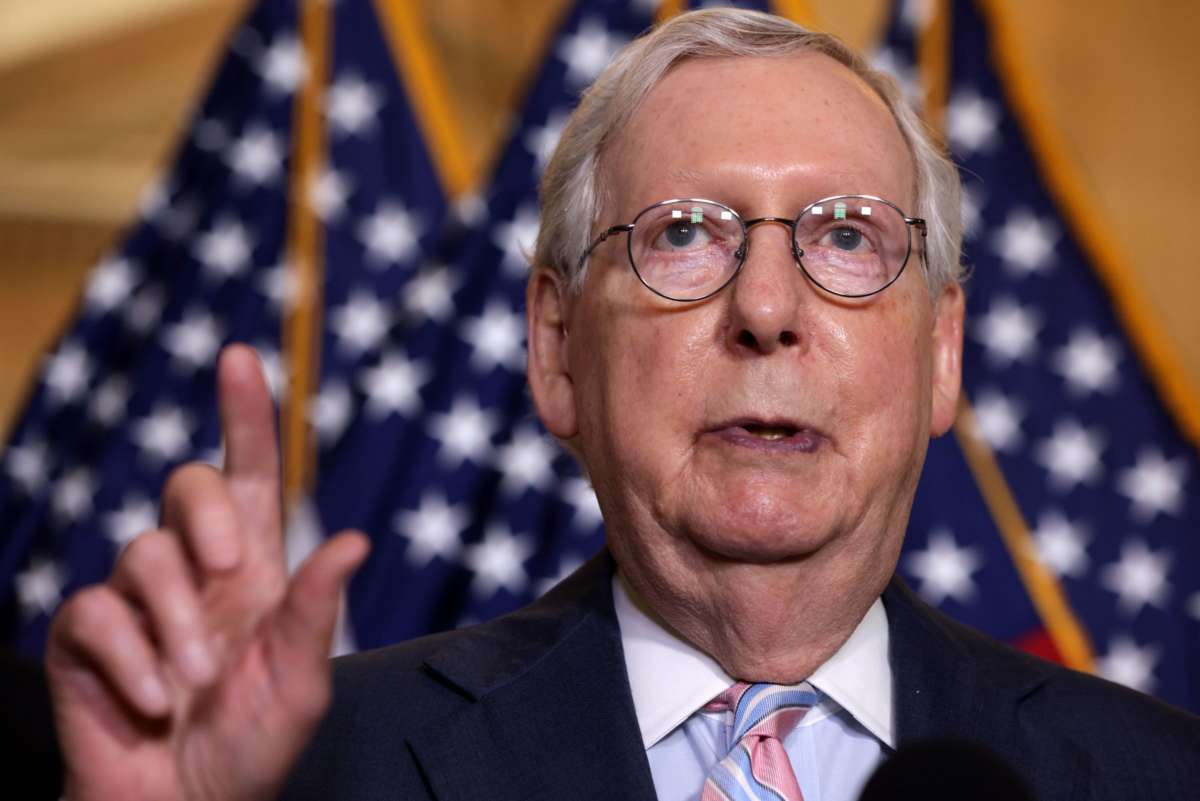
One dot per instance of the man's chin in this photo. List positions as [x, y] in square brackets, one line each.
[760, 544]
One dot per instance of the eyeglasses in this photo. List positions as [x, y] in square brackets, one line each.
[689, 249]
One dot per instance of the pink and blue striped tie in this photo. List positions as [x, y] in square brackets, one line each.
[757, 767]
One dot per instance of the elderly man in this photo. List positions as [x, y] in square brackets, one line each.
[745, 320]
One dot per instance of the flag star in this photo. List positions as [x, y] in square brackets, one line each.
[542, 141]
[329, 412]
[282, 66]
[109, 401]
[328, 194]
[164, 435]
[998, 419]
[497, 338]
[1088, 362]
[464, 432]
[971, 203]
[470, 210]
[361, 323]
[917, 14]
[1061, 544]
[432, 530]
[579, 493]
[1154, 485]
[352, 105]
[430, 293]
[389, 234]
[193, 342]
[944, 569]
[1026, 243]
[517, 238]
[1130, 664]
[28, 465]
[498, 562]
[566, 567]
[73, 493]
[1138, 577]
[67, 373]
[39, 588]
[145, 310]
[256, 157]
[588, 51]
[1008, 331]
[110, 285]
[136, 515]
[393, 386]
[1071, 455]
[525, 461]
[280, 286]
[971, 123]
[225, 250]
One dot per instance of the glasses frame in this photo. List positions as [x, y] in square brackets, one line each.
[744, 248]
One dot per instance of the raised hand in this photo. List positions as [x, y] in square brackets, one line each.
[199, 671]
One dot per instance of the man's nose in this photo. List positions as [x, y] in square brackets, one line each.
[768, 293]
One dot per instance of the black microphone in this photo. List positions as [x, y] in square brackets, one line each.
[945, 770]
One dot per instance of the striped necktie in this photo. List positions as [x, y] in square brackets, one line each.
[757, 767]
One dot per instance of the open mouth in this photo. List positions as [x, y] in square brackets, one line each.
[769, 435]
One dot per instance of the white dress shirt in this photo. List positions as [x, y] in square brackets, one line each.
[834, 749]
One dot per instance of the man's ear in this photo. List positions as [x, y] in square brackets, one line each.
[549, 369]
[947, 348]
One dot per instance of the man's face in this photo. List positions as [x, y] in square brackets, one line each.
[678, 408]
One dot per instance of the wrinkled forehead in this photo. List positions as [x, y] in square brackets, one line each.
[758, 131]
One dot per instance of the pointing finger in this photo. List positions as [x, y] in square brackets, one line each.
[247, 416]
[251, 445]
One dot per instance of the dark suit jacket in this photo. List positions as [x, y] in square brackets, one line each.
[536, 705]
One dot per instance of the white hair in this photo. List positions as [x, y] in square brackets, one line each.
[572, 188]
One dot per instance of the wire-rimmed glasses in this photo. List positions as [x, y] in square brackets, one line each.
[688, 249]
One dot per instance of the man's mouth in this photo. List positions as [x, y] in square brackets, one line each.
[772, 435]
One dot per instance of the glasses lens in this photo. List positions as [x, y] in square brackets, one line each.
[686, 249]
[852, 245]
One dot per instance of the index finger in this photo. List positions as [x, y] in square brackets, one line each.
[247, 418]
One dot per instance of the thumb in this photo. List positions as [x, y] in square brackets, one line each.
[303, 627]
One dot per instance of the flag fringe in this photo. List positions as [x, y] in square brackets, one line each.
[305, 248]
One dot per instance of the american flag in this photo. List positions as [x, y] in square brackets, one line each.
[1064, 419]
[424, 433]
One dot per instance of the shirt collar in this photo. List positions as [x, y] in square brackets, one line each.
[670, 678]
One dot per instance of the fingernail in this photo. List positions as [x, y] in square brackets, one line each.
[198, 663]
[154, 694]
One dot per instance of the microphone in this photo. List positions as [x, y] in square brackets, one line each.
[945, 770]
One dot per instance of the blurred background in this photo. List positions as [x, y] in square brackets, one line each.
[95, 93]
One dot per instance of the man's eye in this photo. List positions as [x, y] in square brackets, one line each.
[848, 239]
[684, 235]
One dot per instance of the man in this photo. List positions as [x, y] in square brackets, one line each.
[745, 319]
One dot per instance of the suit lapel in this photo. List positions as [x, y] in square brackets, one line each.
[551, 714]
